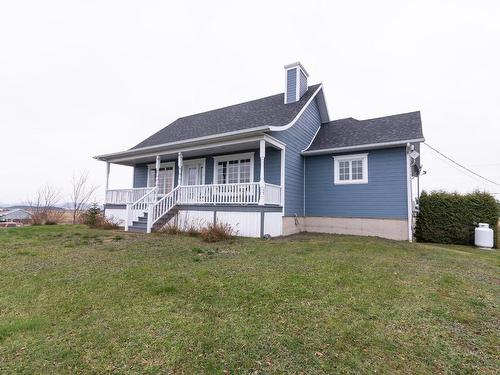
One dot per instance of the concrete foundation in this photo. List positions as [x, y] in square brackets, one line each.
[292, 225]
[393, 229]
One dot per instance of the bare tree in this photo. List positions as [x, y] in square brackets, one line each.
[44, 206]
[81, 193]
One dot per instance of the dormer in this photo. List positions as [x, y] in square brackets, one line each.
[295, 82]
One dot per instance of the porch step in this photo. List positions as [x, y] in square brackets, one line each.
[140, 225]
[136, 229]
[164, 219]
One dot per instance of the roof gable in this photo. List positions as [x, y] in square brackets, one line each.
[264, 112]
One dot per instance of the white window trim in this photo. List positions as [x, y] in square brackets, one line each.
[162, 165]
[200, 161]
[248, 155]
[336, 169]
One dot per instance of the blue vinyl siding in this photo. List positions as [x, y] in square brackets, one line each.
[140, 176]
[291, 85]
[297, 138]
[272, 165]
[303, 84]
[384, 196]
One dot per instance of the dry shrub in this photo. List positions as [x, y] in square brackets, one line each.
[192, 230]
[43, 207]
[171, 228]
[188, 227]
[46, 216]
[192, 227]
[108, 223]
[217, 232]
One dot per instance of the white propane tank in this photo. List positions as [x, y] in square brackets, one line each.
[483, 236]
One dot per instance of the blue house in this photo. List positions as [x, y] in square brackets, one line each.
[274, 166]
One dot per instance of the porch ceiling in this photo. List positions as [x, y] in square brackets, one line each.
[197, 151]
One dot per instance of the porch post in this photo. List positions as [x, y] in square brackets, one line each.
[157, 179]
[107, 182]
[261, 182]
[180, 163]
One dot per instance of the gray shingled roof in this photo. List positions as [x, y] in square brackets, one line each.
[350, 132]
[269, 111]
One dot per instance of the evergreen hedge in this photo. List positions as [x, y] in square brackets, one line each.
[452, 217]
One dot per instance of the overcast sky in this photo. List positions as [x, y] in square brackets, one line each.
[81, 78]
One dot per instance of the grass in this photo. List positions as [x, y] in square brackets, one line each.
[76, 300]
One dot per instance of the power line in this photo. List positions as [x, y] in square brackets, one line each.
[461, 166]
[453, 166]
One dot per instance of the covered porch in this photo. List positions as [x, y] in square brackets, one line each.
[237, 172]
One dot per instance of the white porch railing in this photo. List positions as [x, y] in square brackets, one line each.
[272, 194]
[124, 196]
[136, 209]
[243, 193]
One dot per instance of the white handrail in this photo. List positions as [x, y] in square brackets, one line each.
[136, 209]
[161, 207]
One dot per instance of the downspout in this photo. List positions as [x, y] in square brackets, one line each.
[409, 192]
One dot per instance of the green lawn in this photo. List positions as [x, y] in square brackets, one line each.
[76, 300]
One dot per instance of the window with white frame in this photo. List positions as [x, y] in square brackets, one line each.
[232, 169]
[351, 169]
[165, 177]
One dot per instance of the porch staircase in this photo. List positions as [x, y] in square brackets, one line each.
[161, 211]
[141, 224]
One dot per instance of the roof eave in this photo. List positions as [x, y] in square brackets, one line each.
[370, 146]
[216, 137]
[186, 142]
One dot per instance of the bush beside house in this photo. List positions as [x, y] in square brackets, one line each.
[94, 218]
[451, 217]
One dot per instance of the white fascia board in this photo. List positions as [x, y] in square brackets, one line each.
[266, 137]
[362, 147]
[190, 148]
[291, 123]
[313, 138]
[186, 142]
[323, 107]
[274, 142]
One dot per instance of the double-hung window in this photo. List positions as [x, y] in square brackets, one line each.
[233, 169]
[351, 169]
